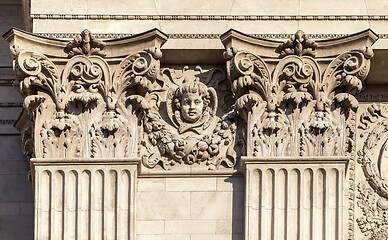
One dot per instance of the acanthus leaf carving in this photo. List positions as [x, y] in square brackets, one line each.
[139, 70]
[85, 44]
[291, 110]
[36, 72]
[247, 72]
[298, 111]
[81, 110]
[347, 72]
[112, 136]
[299, 44]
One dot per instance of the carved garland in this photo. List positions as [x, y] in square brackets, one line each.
[86, 111]
[201, 137]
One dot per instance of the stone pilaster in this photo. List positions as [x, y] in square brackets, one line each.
[80, 128]
[297, 99]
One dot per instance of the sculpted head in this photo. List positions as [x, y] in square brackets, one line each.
[192, 99]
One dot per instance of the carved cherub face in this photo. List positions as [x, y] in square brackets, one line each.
[191, 107]
[192, 99]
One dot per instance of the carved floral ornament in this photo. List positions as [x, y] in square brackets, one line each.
[98, 106]
[83, 110]
[301, 108]
[372, 157]
[91, 108]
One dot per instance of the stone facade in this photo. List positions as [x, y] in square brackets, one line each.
[240, 126]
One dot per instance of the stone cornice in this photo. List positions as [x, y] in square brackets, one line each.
[114, 47]
[326, 48]
[213, 17]
[85, 161]
[204, 35]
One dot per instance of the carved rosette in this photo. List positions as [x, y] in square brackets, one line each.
[82, 110]
[297, 110]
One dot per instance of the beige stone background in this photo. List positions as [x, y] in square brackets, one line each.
[203, 208]
[190, 208]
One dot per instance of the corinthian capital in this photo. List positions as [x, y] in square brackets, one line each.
[76, 93]
[293, 109]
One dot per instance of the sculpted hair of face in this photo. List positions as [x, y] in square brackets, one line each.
[192, 99]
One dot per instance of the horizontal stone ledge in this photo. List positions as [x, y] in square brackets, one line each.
[276, 36]
[8, 129]
[114, 47]
[187, 171]
[295, 159]
[85, 161]
[212, 17]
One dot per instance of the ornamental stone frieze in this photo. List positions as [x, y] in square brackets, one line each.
[192, 125]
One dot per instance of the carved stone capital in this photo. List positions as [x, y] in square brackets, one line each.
[300, 102]
[79, 106]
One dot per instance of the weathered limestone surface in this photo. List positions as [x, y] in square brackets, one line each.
[301, 107]
[136, 148]
[79, 131]
[252, 133]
